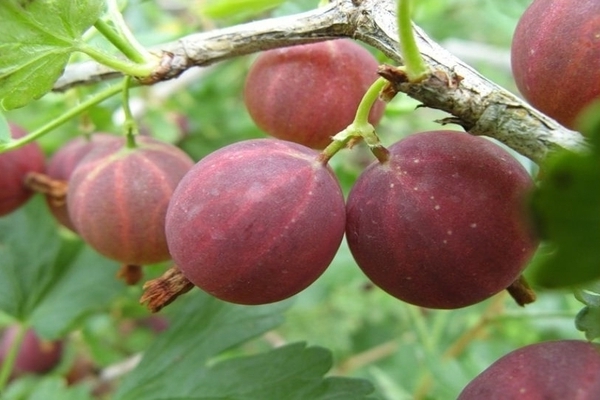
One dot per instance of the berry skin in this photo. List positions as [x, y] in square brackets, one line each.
[555, 370]
[14, 167]
[62, 164]
[35, 356]
[308, 93]
[118, 198]
[256, 222]
[555, 57]
[441, 223]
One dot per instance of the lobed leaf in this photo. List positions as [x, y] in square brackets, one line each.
[37, 38]
[588, 321]
[291, 372]
[43, 275]
[181, 363]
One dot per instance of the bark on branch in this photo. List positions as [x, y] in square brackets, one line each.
[474, 102]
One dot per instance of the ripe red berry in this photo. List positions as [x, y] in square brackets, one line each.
[441, 223]
[308, 93]
[256, 222]
[34, 356]
[555, 56]
[64, 161]
[556, 370]
[118, 198]
[14, 167]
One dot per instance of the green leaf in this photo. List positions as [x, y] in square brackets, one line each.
[588, 321]
[50, 388]
[566, 206]
[182, 363]
[37, 38]
[589, 294]
[5, 135]
[230, 8]
[87, 285]
[43, 275]
[290, 372]
[201, 328]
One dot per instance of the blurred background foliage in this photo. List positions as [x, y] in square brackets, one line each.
[407, 352]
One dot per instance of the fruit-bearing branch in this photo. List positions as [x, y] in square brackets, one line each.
[474, 102]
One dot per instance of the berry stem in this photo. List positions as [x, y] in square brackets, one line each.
[521, 292]
[162, 291]
[119, 42]
[54, 189]
[125, 66]
[360, 127]
[340, 141]
[367, 102]
[415, 68]
[11, 357]
[129, 125]
[142, 63]
[130, 42]
[71, 113]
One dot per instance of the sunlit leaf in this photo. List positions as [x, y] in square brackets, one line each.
[37, 38]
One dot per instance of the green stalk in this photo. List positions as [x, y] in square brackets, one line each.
[125, 66]
[117, 19]
[119, 42]
[423, 333]
[366, 103]
[340, 141]
[421, 329]
[73, 112]
[438, 327]
[9, 361]
[129, 125]
[360, 127]
[415, 67]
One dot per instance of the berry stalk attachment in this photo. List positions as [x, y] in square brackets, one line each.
[415, 68]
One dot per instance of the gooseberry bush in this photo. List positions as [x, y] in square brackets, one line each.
[292, 200]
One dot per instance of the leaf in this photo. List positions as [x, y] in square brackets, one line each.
[589, 294]
[43, 276]
[290, 372]
[50, 388]
[37, 38]
[566, 206]
[588, 321]
[5, 135]
[178, 364]
[201, 328]
[230, 8]
[88, 284]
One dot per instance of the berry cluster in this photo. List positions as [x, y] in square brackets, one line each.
[438, 222]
